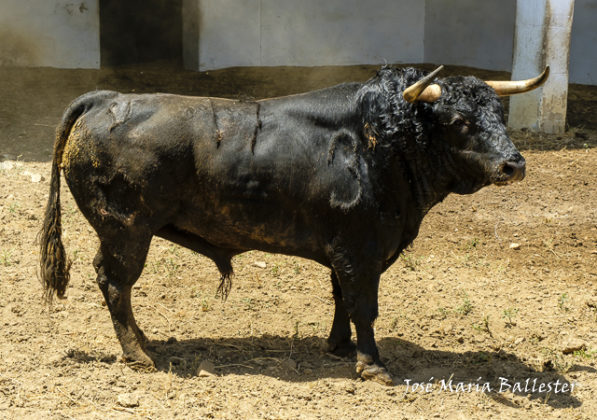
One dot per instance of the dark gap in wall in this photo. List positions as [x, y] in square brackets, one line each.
[141, 32]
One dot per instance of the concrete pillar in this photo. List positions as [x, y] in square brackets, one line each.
[542, 37]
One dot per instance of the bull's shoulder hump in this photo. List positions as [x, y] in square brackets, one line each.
[343, 90]
[333, 101]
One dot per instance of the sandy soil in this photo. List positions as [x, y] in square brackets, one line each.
[498, 288]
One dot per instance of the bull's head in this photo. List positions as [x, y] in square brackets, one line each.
[470, 119]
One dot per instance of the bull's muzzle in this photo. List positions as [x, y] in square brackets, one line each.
[511, 170]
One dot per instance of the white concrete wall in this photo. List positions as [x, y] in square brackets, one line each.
[53, 33]
[313, 32]
[470, 33]
[224, 33]
[337, 32]
[309, 32]
[583, 43]
[229, 33]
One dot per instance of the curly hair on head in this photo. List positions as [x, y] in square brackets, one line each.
[391, 119]
[403, 126]
[471, 96]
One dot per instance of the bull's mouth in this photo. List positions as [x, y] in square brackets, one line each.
[504, 183]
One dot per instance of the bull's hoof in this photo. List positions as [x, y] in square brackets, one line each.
[342, 349]
[374, 373]
[138, 360]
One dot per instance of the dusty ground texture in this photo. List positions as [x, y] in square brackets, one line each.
[500, 284]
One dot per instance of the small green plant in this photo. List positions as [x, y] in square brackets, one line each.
[562, 302]
[466, 307]
[175, 250]
[12, 209]
[315, 326]
[194, 365]
[275, 270]
[443, 313]
[486, 324]
[6, 258]
[171, 266]
[205, 306]
[473, 243]
[586, 354]
[250, 302]
[70, 210]
[509, 314]
[483, 326]
[394, 324]
[557, 360]
[481, 357]
[297, 269]
[409, 261]
[154, 267]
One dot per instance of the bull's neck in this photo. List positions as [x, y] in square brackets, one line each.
[426, 173]
[427, 180]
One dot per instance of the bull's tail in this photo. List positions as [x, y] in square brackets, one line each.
[54, 264]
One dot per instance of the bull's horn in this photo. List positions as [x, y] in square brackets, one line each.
[423, 90]
[505, 88]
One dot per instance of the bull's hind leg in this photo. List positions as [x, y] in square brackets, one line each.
[339, 342]
[119, 263]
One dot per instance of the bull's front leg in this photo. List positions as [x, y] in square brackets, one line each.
[359, 286]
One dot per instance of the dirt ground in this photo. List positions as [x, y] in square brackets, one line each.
[498, 291]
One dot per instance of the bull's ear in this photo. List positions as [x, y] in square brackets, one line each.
[511, 87]
[423, 90]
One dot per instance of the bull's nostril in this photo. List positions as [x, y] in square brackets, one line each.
[512, 170]
[508, 169]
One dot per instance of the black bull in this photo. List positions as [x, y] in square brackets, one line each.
[342, 176]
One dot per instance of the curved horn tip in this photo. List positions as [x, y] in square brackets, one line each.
[543, 77]
[505, 88]
[436, 71]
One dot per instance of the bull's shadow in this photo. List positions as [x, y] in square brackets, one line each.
[304, 359]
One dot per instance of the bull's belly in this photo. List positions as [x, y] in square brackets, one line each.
[246, 226]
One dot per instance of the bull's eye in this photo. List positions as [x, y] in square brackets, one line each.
[460, 123]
